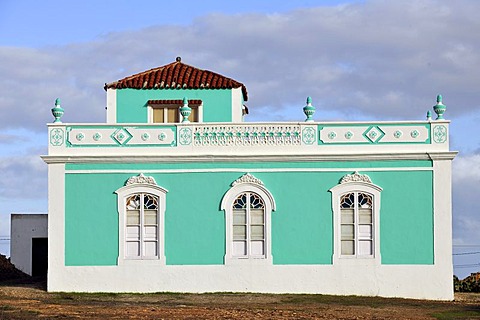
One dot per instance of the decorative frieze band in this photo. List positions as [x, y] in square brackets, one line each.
[375, 134]
[264, 135]
[120, 136]
[246, 135]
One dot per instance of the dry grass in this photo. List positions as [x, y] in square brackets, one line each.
[29, 300]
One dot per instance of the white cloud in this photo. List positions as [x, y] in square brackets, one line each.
[23, 177]
[382, 59]
[466, 169]
[466, 192]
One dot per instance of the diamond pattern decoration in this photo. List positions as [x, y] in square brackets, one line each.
[121, 136]
[440, 134]
[185, 136]
[308, 135]
[374, 134]
[56, 137]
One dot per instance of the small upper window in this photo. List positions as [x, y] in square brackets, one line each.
[168, 111]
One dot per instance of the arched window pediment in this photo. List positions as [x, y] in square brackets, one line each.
[355, 181]
[247, 182]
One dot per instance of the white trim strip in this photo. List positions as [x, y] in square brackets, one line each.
[189, 157]
[246, 170]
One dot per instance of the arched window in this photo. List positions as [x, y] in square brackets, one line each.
[356, 216]
[248, 206]
[141, 208]
[142, 232]
[356, 224]
[248, 226]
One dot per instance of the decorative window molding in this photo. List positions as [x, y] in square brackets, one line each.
[141, 179]
[141, 207]
[356, 177]
[247, 178]
[356, 218]
[248, 206]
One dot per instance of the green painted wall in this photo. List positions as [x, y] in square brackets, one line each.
[91, 221]
[406, 221]
[302, 231]
[250, 165]
[132, 103]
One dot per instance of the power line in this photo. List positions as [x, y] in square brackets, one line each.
[467, 245]
[465, 253]
[467, 265]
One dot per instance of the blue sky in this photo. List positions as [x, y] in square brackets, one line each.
[39, 23]
[359, 60]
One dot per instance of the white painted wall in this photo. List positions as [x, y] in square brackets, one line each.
[237, 105]
[406, 281]
[111, 106]
[24, 227]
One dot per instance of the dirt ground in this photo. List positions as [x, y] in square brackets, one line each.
[27, 299]
[8, 270]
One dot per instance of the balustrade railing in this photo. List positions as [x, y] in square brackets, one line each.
[203, 135]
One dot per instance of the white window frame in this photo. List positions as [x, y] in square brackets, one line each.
[242, 185]
[356, 187]
[172, 106]
[122, 194]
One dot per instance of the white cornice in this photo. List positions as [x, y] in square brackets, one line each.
[326, 123]
[442, 155]
[245, 158]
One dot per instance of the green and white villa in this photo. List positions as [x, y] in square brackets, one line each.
[175, 192]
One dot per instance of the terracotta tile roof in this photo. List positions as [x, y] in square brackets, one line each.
[177, 75]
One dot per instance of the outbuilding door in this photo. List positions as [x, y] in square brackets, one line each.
[39, 257]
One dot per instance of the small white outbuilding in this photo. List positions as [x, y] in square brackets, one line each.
[29, 243]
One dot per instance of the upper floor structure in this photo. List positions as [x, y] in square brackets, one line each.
[178, 109]
[155, 96]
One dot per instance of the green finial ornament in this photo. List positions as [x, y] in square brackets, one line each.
[429, 115]
[309, 110]
[185, 111]
[57, 111]
[439, 108]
